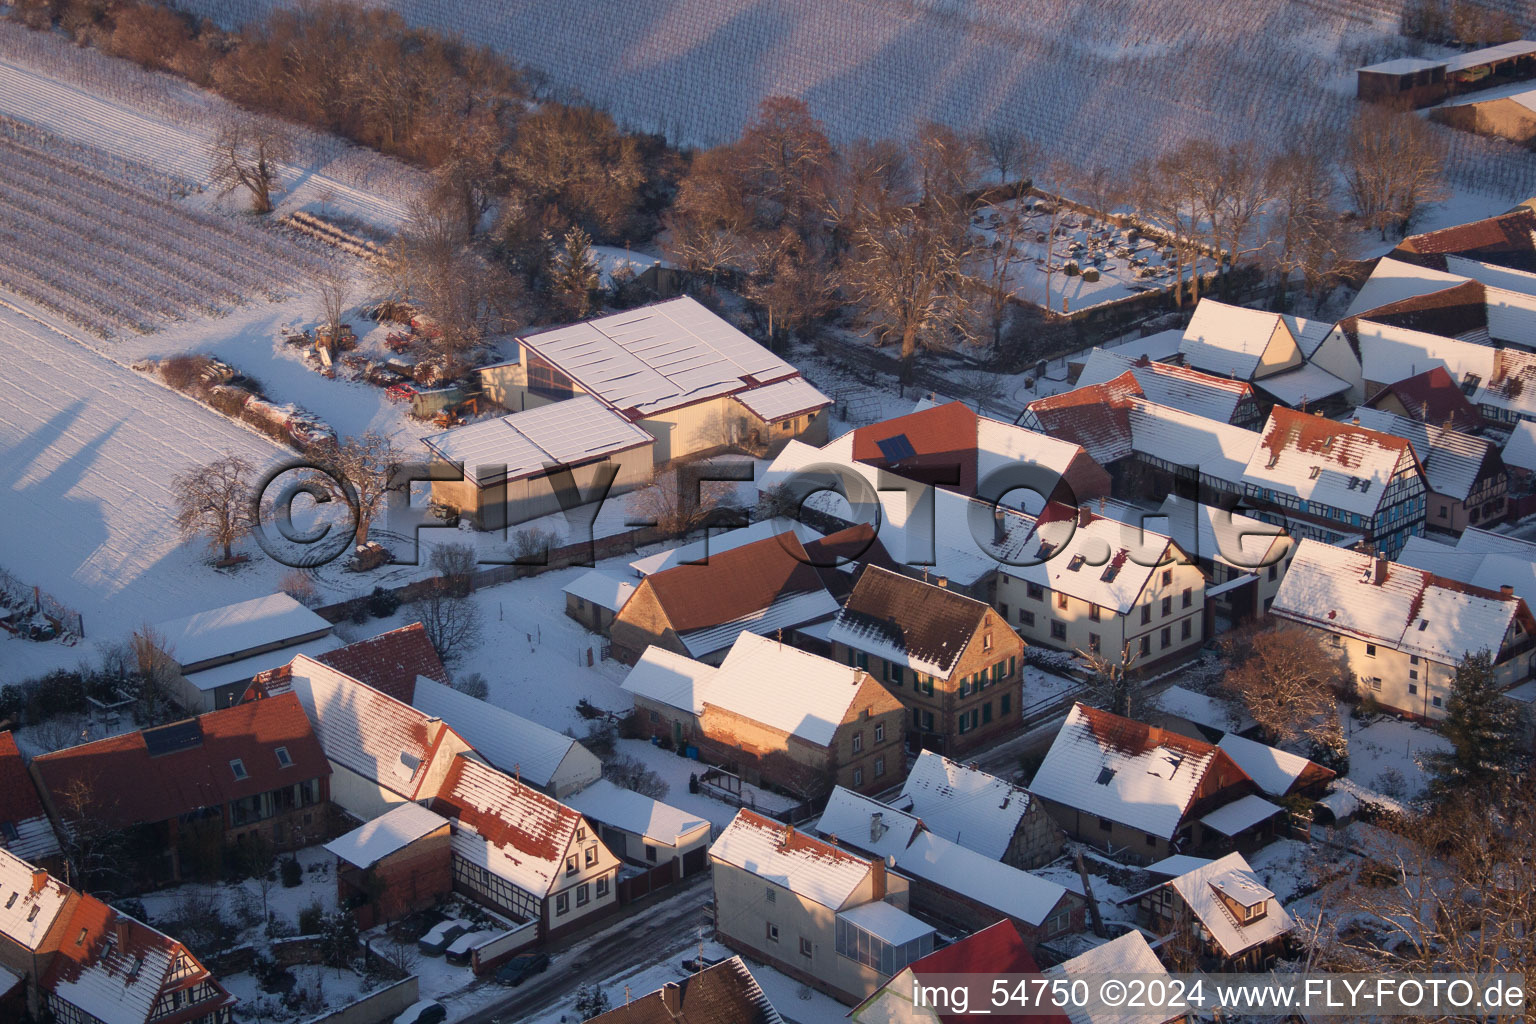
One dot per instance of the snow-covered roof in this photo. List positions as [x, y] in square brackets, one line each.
[1520, 451]
[535, 752]
[965, 805]
[30, 901]
[1227, 339]
[1214, 448]
[1005, 888]
[1126, 771]
[1323, 462]
[886, 922]
[1305, 384]
[778, 853]
[1275, 770]
[786, 612]
[625, 809]
[785, 688]
[1232, 876]
[1509, 278]
[1092, 561]
[1410, 610]
[1127, 956]
[1394, 280]
[389, 833]
[610, 259]
[1179, 387]
[1000, 444]
[908, 622]
[248, 668]
[363, 730]
[1230, 538]
[1451, 460]
[672, 679]
[725, 540]
[647, 360]
[1240, 815]
[601, 589]
[866, 824]
[237, 628]
[1489, 54]
[1402, 66]
[506, 827]
[529, 443]
[1483, 559]
[1177, 864]
[1202, 709]
[8, 980]
[1389, 353]
[783, 399]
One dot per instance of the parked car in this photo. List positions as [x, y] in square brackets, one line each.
[437, 941]
[459, 950]
[424, 1012]
[522, 967]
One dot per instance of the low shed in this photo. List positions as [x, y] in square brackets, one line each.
[642, 830]
[394, 865]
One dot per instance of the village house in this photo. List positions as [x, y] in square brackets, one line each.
[396, 864]
[253, 772]
[212, 656]
[382, 751]
[1289, 360]
[594, 598]
[1218, 915]
[524, 854]
[1243, 558]
[539, 462]
[775, 715]
[1499, 382]
[1100, 586]
[644, 831]
[951, 883]
[1321, 478]
[699, 609]
[1142, 793]
[1422, 82]
[952, 660]
[1222, 399]
[1430, 397]
[723, 994]
[1400, 632]
[980, 812]
[1491, 250]
[24, 826]
[1124, 957]
[824, 916]
[1484, 559]
[673, 369]
[1278, 773]
[1464, 475]
[1091, 415]
[994, 951]
[1519, 456]
[85, 963]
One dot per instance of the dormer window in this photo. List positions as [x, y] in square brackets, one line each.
[32, 914]
[1105, 775]
[12, 901]
[238, 767]
[283, 758]
[1076, 563]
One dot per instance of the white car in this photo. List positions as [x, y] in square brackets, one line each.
[459, 952]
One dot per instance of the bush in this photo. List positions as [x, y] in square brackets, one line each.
[473, 684]
[297, 585]
[456, 564]
[184, 371]
[357, 611]
[311, 919]
[383, 603]
[293, 873]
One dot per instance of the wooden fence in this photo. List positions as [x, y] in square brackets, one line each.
[636, 886]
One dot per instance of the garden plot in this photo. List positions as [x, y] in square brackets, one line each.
[1085, 262]
[96, 242]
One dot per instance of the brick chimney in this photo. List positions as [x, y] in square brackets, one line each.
[120, 932]
[877, 876]
[1379, 571]
[672, 998]
[876, 826]
[39, 879]
[1084, 516]
[999, 525]
[1506, 590]
[942, 581]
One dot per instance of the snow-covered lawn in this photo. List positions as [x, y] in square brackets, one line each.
[1385, 755]
[318, 887]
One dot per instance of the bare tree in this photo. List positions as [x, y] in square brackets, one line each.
[1309, 234]
[456, 564]
[678, 502]
[1110, 685]
[996, 286]
[1167, 196]
[215, 502]
[362, 466]
[1008, 151]
[786, 163]
[452, 624]
[1285, 677]
[1394, 166]
[709, 217]
[912, 251]
[156, 663]
[94, 851]
[249, 152]
[785, 279]
[334, 286]
[473, 684]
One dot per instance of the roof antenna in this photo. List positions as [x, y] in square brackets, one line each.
[517, 772]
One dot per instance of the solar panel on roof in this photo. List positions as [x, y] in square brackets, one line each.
[168, 739]
[896, 448]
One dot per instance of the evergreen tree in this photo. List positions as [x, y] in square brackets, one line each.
[1484, 729]
[574, 275]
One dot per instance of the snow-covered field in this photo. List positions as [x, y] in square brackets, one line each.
[160, 121]
[1097, 83]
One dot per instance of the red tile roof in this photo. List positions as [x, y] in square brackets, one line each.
[18, 795]
[1096, 417]
[390, 661]
[1135, 737]
[1450, 312]
[1508, 232]
[122, 782]
[1303, 431]
[1433, 397]
[732, 583]
[942, 440]
[996, 950]
[530, 831]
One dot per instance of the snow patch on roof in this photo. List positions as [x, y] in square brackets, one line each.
[625, 809]
[778, 853]
[507, 740]
[1019, 894]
